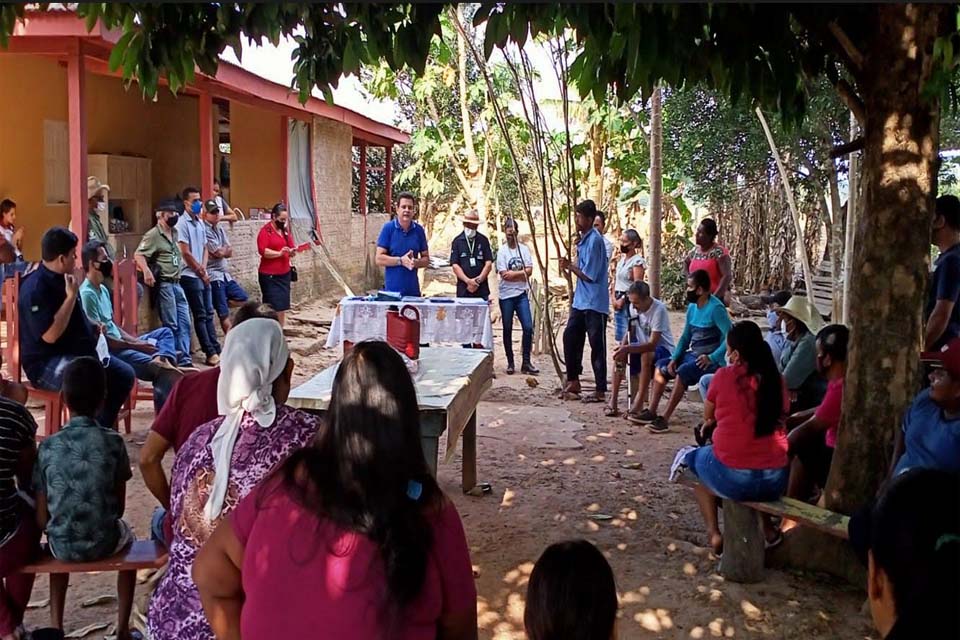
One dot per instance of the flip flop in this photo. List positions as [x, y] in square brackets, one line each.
[611, 412]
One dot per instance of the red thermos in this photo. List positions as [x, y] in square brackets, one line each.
[403, 330]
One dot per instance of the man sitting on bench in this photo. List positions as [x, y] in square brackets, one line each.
[152, 356]
[80, 483]
[930, 434]
[813, 433]
[54, 331]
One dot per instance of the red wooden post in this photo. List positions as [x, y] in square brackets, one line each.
[285, 157]
[363, 178]
[205, 113]
[388, 205]
[77, 122]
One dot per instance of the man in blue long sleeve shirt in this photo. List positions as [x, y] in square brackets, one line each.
[591, 305]
[700, 350]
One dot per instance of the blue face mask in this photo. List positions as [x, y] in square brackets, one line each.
[195, 207]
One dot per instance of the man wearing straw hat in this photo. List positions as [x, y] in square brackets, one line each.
[471, 259]
[798, 361]
[97, 193]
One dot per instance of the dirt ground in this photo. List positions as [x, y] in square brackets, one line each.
[558, 469]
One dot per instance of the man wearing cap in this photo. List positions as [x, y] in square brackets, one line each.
[471, 259]
[223, 288]
[97, 193]
[798, 361]
[929, 436]
[402, 248]
[192, 237]
[159, 259]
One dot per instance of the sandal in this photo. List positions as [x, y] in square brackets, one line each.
[611, 412]
[592, 399]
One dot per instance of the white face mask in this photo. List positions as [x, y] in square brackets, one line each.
[469, 233]
[102, 206]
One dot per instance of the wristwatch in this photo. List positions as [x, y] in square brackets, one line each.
[399, 261]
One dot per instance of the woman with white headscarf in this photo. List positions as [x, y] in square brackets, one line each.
[224, 460]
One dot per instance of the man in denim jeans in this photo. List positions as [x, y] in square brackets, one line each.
[225, 289]
[54, 331]
[160, 248]
[192, 238]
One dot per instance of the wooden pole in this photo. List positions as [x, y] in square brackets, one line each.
[77, 119]
[656, 189]
[363, 178]
[852, 202]
[388, 205]
[807, 273]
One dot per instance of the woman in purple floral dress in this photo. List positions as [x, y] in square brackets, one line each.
[223, 461]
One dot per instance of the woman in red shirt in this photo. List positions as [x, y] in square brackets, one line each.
[352, 537]
[747, 461]
[275, 245]
[712, 258]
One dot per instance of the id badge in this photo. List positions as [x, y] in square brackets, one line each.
[473, 262]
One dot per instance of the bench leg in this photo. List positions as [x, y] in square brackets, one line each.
[126, 585]
[743, 544]
[469, 473]
[58, 598]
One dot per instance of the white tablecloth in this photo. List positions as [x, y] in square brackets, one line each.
[463, 321]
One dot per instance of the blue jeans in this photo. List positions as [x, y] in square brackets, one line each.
[621, 320]
[704, 385]
[519, 305]
[741, 485]
[156, 526]
[200, 299]
[120, 377]
[688, 371]
[142, 364]
[222, 292]
[175, 315]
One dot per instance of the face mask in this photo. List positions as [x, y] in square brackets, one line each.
[624, 248]
[102, 206]
[280, 224]
[469, 233]
[692, 296]
[195, 207]
[106, 268]
[171, 220]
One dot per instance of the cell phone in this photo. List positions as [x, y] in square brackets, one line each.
[303, 247]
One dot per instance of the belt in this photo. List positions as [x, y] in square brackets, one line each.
[170, 280]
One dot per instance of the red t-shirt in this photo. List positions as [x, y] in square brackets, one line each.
[709, 261]
[270, 238]
[829, 410]
[191, 403]
[733, 394]
[329, 582]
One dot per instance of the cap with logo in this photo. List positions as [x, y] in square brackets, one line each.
[211, 206]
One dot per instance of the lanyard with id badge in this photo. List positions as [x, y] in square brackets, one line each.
[470, 246]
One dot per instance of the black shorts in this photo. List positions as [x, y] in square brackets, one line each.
[275, 290]
[816, 458]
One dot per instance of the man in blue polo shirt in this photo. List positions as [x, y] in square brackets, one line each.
[54, 330]
[402, 248]
[942, 311]
[591, 305]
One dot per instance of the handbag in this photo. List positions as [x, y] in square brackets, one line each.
[294, 276]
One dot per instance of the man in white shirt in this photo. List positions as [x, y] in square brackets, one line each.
[514, 266]
[228, 213]
[648, 339]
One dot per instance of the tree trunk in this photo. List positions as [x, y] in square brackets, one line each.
[853, 204]
[892, 245]
[597, 136]
[656, 191]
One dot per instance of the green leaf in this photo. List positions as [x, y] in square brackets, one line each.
[119, 49]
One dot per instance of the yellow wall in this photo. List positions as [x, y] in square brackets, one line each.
[166, 131]
[256, 165]
[33, 89]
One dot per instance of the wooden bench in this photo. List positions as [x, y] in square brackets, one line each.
[142, 554]
[744, 546]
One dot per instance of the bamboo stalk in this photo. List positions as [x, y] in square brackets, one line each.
[804, 260]
[656, 190]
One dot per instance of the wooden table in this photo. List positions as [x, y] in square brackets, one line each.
[449, 384]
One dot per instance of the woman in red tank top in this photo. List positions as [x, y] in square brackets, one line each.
[712, 258]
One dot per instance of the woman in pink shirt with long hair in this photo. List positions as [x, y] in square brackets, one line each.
[712, 258]
[352, 538]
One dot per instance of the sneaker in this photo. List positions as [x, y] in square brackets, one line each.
[163, 363]
[529, 369]
[658, 425]
[213, 360]
[644, 417]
